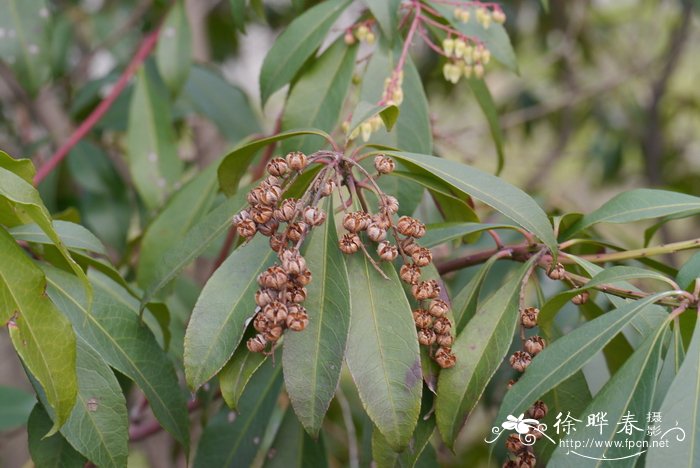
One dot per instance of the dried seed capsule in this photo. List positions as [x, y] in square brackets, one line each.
[422, 257]
[264, 296]
[242, 216]
[445, 340]
[261, 214]
[277, 167]
[350, 243]
[256, 344]
[261, 323]
[297, 161]
[426, 336]
[387, 252]
[302, 279]
[287, 210]
[520, 360]
[269, 181]
[581, 298]
[274, 278]
[405, 225]
[296, 230]
[376, 233]
[442, 326]
[270, 195]
[381, 220]
[425, 290]
[296, 295]
[513, 443]
[408, 245]
[525, 459]
[253, 196]
[422, 318]
[409, 273]
[438, 308]
[557, 272]
[314, 216]
[276, 312]
[273, 334]
[389, 205]
[269, 228]
[293, 262]
[538, 410]
[445, 358]
[534, 345]
[353, 222]
[298, 320]
[418, 229]
[528, 317]
[276, 242]
[384, 164]
[246, 228]
[327, 187]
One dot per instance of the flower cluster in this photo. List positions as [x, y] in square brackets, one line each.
[483, 16]
[465, 58]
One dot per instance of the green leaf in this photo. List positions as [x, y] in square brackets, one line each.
[364, 111]
[296, 44]
[25, 44]
[115, 331]
[154, 164]
[488, 107]
[98, 425]
[28, 206]
[174, 49]
[295, 448]
[42, 337]
[234, 165]
[386, 12]
[382, 352]
[464, 304]
[73, 236]
[15, 406]
[238, 12]
[224, 104]
[209, 229]
[21, 167]
[509, 200]
[495, 38]
[682, 406]
[236, 374]
[689, 272]
[312, 359]
[219, 317]
[630, 390]
[437, 234]
[480, 350]
[233, 439]
[53, 451]
[183, 211]
[637, 205]
[565, 356]
[316, 98]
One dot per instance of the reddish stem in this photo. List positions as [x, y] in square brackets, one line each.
[146, 47]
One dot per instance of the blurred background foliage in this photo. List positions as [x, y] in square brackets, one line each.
[606, 100]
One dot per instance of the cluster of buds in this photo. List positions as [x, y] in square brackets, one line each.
[465, 58]
[286, 222]
[521, 455]
[483, 16]
[558, 273]
[362, 33]
[393, 89]
[366, 128]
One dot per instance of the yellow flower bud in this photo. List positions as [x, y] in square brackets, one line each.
[486, 57]
[370, 38]
[460, 47]
[464, 16]
[499, 17]
[479, 70]
[361, 32]
[366, 129]
[468, 70]
[448, 46]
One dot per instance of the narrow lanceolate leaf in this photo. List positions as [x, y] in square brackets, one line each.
[464, 304]
[30, 208]
[296, 44]
[568, 354]
[637, 205]
[317, 97]
[294, 448]
[232, 439]
[153, 160]
[42, 336]
[689, 272]
[620, 273]
[115, 331]
[15, 406]
[382, 351]
[386, 13]
[236, 374]
[174, 50]
[682, 406]
[183, 211]
[480, 350]
[208, 230]
[495, 38]
[53, 451]
[24, 45]
[98, 425]
[74, 236]
[22, 167]
[312, 358]
[444, 232]
[235, 164]
[629, 391]
[509, 200]
[224, 305]
[488, 107]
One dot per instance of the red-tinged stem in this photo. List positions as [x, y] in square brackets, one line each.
[146, 47]
[430, 43]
